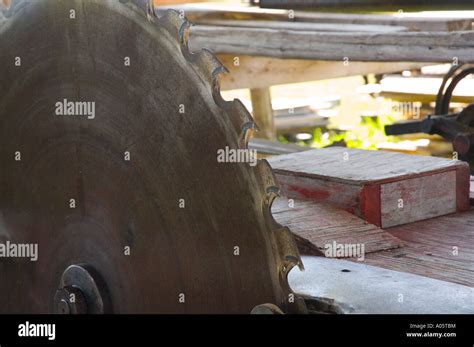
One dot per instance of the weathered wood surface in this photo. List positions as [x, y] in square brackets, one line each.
[423, 89]
[356, 166]
[316, 225]
[297, 26]
[173, 2]
[261, 72]
[357, 4]
[300, 123]
[412, 21]
[425, 197]
[346, 196]
[267, 147]
[202, 13]
[441, 248]
[385, 188]
[423, 97]
[288, 44]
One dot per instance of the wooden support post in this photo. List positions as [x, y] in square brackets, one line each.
[263, 113]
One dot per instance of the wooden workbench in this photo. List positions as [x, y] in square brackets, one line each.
[440, 248]
[317, 212]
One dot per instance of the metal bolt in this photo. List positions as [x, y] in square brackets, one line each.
[64, 304]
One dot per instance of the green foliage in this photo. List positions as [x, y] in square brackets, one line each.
[328, 137]
[282, 139]
[365, 135]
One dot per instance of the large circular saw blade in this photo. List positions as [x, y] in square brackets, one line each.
[123, 177]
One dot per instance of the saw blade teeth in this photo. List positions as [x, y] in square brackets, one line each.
[150, 11]
[211, 70]
[145, 5]
[178, 27]
[247, 130]
[289, 258]
[240, 117]
[242, 121]
[216, 86]
[272, 193]
[208, 66]
[183, 38]
[265, 174]
[288, 250]
[288, 253]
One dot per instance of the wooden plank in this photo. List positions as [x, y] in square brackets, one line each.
[370, 184]
[423, 97]
[261, 72]
[201, 13]
[317, 225]
[173, 2]
[412, 21]
[423, 89]
[321, 190]
[288, 44]
[355, 166]
[441, 248]
[373, 4]
[300, 123]
[298, 26]
[267, 147]
[422, 197]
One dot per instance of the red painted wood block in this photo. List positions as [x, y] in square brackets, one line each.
[384, 188]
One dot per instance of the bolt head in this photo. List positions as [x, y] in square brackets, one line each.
[70, 300]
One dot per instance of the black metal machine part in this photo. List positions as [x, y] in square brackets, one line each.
[458, 128]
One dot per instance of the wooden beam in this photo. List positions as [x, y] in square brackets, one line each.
[413, 21]
[173, 2]
[263, 113]
[201, 13]
[297, 26]
[262, 72]
[423, 97]
[423, 89]
[286, 44]
[267, 147]
[370, 5]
